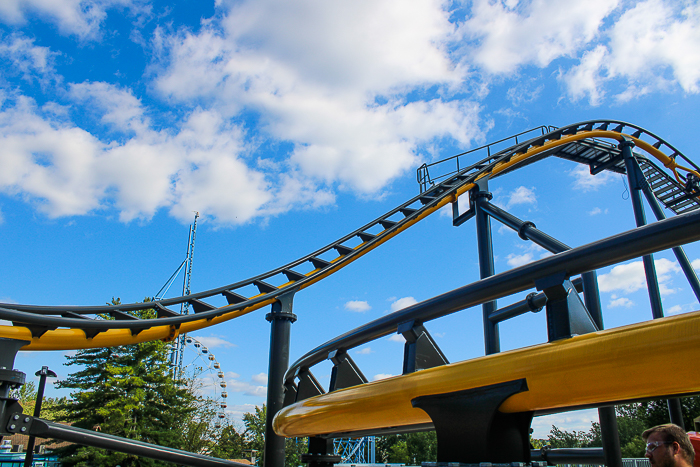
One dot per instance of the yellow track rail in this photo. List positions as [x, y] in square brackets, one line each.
[640, 361]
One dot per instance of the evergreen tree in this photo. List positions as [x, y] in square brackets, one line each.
[126, 391]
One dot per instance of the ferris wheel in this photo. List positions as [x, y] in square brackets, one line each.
[202, 367]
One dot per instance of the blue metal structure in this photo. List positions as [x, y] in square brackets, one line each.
[355, 450]
[178, 345]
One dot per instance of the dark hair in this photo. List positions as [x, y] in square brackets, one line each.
[674, 433]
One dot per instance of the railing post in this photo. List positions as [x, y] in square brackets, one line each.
[281, 319]
[636, 180]
[486, 268]
[43, 373]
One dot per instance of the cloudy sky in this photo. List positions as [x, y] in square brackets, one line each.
[287, 125]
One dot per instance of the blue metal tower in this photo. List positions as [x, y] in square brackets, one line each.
[178, 345]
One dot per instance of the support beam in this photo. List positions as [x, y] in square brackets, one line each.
[281, 319]
[492, 342]
[678, 251]
[636, 182]
[634, 176]
[470, 428]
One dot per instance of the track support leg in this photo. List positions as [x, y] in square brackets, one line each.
[281, 319]
[320, 453]
[9, 379]
[470, 429]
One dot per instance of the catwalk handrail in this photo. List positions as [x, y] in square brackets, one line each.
[634, 243]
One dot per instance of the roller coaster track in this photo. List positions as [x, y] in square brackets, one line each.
[591, 143]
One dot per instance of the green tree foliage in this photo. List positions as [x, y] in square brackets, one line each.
[632, 420]
[572, 439]
[255, 438]
[50, 406]
[407, 448]
[230, 444]
[656, 412]
[126, 391]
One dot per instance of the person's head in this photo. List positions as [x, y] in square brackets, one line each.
[667, 444]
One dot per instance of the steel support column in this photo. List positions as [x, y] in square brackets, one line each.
[678, 251]
[528, 231]
[609, 432]
[486, 268]
[9, 377]
[633, 176]
[636, 182]
[281, 319]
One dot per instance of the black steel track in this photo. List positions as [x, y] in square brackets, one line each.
[580, 142]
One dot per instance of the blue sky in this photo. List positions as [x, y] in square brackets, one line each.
[288, 125]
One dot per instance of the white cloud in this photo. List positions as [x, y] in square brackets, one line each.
[337, 99]
[64, 170]
[514, 260]
[620, 302]
[525, 92]
[504, 37]
[674, 310]
[403, 303]
[579, 420]
[522, 195]
[653, 46]
[212, 342]
[379, 376]
[256, 387]
[26, 58]
[397, 338]
[655, 36]
[358, 306]
[237, 411]
[584, 181]
[630, 277]
[364, 351]
[529, 251]
[696, 264]
[595, 211]
[316, 82]
[81, 18]
[585, 78]
[260, 378]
